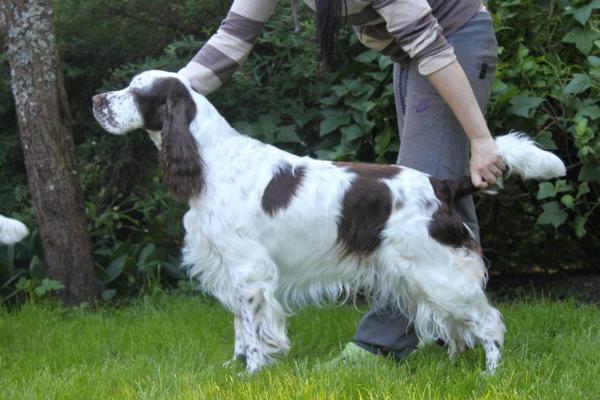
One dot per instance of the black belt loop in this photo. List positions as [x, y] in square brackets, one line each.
[484, 70]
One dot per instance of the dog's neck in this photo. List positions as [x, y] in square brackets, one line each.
[209, 127]
[219, 144]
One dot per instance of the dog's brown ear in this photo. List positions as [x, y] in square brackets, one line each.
[179, 156]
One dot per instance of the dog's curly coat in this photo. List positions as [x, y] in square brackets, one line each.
[268, 231]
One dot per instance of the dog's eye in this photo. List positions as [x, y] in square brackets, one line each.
[152, 99]
[148, 101]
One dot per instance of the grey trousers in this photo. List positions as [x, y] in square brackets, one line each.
[432, 141]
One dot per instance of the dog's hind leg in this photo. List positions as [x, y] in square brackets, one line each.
[489, 330]
[466, 325]
[452, 305]
[492, 356]
[484, 327]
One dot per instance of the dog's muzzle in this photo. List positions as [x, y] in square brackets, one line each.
[116, 112]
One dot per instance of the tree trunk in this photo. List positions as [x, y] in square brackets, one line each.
[44, 124]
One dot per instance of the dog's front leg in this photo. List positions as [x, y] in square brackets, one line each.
[261, 318]
[254, 354]
[456, 346]
[239, 348]
[263, 327]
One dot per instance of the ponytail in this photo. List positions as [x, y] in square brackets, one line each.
[328, 15]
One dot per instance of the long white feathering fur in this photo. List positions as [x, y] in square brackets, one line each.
[11, 230]
[261, 265]
[526, 159]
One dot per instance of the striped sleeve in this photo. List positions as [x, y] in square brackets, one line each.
[226, 50]
[413, 26]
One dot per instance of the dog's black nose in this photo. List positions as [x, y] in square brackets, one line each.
[98, 100]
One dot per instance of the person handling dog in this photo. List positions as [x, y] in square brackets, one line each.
[444, 54]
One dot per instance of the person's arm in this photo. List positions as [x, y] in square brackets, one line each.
[452, 84]
[226, 50]
[414, 27]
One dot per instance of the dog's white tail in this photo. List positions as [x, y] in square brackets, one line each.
[11, 231]
[524, 158]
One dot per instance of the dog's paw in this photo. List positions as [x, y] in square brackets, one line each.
[253, 366]
[248, 373]
[238, 359]
[491, 369]
[243, 375]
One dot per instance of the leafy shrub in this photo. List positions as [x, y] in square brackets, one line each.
[136, 245]
[547, 85]
[136, 242]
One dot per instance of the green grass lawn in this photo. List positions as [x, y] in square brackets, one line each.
[173, 347]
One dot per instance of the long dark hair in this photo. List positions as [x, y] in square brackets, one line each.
[328, 23]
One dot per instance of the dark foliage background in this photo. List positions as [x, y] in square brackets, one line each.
[547, 84]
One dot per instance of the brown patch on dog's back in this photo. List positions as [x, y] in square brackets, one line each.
[366, 207]
[447, 226]
[371, 171]
[282, 188]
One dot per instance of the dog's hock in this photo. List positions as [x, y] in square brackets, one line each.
[526, 159]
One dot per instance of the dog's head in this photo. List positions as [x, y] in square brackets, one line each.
[162, 103]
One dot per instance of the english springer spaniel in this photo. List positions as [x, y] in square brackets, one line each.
[11, 230]
[268, 231]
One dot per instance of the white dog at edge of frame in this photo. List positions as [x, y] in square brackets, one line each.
[11, 230]
[268, 231]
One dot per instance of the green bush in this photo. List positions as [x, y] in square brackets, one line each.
[547, 85]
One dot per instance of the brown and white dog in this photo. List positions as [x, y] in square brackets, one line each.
[268, 231]
[11, 230]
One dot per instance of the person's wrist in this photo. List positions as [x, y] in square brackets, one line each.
[481, 136]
